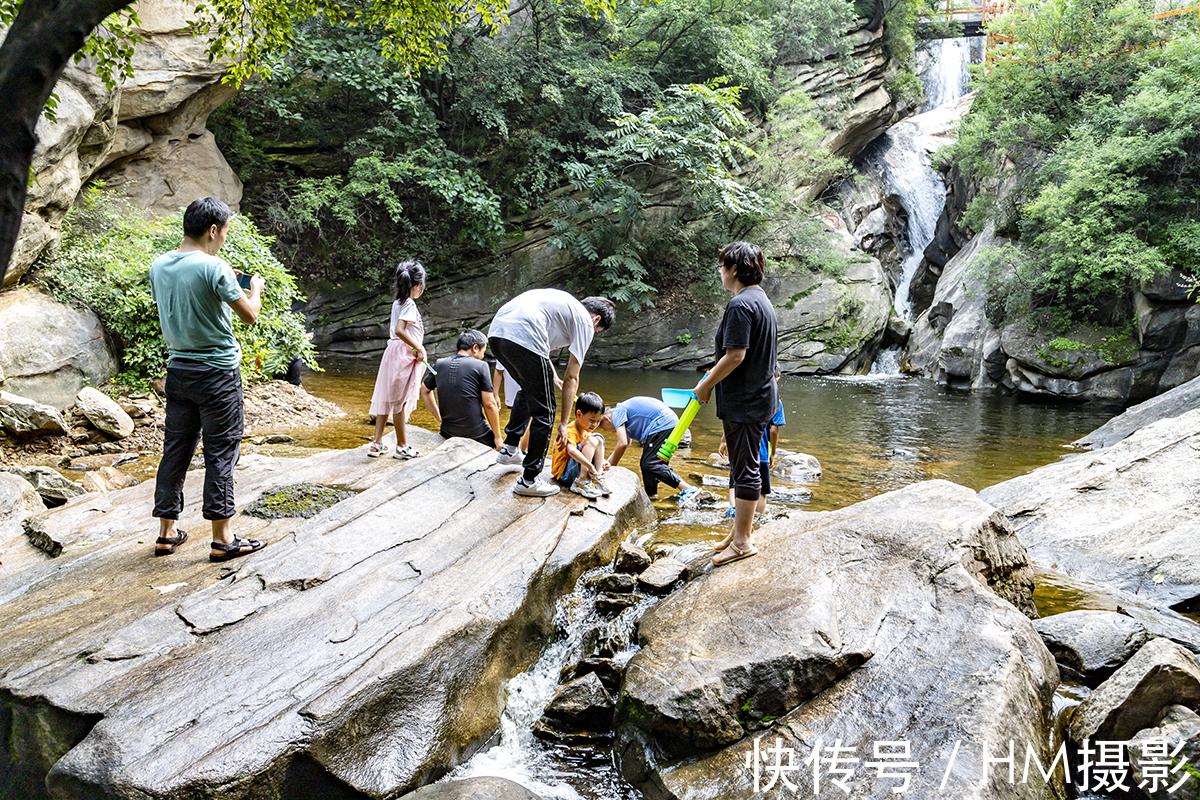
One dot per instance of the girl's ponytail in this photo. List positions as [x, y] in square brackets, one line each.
[408, 275]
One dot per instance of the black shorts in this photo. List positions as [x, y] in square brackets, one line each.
[744, 441]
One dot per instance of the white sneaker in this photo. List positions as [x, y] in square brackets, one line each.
[588, 488]
[539, 488]
[602, 485]
[510, 455]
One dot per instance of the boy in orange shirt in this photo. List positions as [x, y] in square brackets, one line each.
[579, 461]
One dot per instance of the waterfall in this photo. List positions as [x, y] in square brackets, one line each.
[943, 69]
[901, 159]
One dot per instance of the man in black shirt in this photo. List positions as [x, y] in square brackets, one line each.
[464, 393]
[744, 379]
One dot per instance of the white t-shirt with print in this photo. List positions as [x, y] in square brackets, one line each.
[542, 320]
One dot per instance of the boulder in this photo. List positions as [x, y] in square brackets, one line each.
[583, 705]
[104, 413]
[483, 788]
[1123, 517]
[1092, 643]
[20, 415]
[605, 668]
[660, 576]
[611, 603]
[408, 605]
[19, 501]
[1160, 756]
[616, 582]
[878, 622]
[798, 467]
[50, 369]
[1161, 674]
[171, 172]
[631, 559]
[49, 484]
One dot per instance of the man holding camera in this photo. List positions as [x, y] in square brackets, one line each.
[195, 293]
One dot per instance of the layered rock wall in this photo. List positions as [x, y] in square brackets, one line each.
[146, 138]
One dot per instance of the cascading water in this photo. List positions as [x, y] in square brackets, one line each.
[901, 159]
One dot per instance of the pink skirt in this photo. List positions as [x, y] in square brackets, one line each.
[398, 385]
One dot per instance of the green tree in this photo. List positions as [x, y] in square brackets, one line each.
[690, 137]
[44, 35]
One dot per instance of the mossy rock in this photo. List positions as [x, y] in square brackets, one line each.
[301, 500]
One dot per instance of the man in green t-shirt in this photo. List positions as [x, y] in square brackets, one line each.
[195, 293]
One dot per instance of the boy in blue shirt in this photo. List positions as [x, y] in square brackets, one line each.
[649, 421]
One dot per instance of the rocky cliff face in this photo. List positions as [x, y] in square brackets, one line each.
[146, 138]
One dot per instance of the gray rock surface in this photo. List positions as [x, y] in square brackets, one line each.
[1162, 773]
[1124, 516]
[1092, 643]
[50, 369]
[877, 622]
[370, 643]
[104, 413]
[1177, 401]
[1159, 675]
[487, 788]
[21, 416]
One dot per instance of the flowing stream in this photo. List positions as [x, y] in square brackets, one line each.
[872, 434]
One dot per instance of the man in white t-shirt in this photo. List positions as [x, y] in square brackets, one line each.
[522, 335]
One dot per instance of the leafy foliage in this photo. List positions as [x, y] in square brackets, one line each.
[103, 263]
[689, 137]
[1098, 177]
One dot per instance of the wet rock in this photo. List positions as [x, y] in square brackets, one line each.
[662, 575]
[1159, 675]
[609, 603]
[1124, 516]
[483, 788]
[717, 482]
[698, 499]
[275, 438]
[604, 668]
[403, 603]
[104, 413]
[582, 705]
[789, 494]
[631, 559]
[1092, 643]
[717, 460]
[20, 415]
[614, 582]
[616, 637]
[798, 467]
[51, 485]
[880, 620]
[1161, 771]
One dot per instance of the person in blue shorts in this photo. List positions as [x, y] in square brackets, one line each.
[649, 421]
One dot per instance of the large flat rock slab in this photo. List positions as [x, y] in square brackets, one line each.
[879, 623]
[1125, 516]
[364, 650]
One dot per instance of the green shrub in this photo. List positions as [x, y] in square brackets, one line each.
[103, 263]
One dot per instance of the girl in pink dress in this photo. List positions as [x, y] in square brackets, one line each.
[397, 386]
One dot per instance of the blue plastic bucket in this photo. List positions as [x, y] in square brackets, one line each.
[677, 398]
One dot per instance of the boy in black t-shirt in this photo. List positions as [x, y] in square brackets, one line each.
[464, 393]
